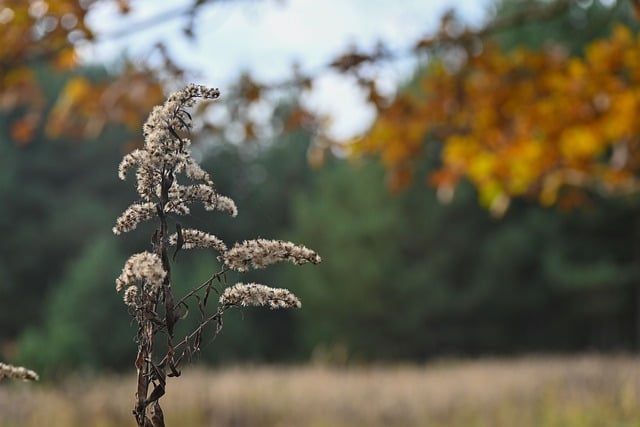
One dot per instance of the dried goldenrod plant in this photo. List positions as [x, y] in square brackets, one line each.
[17, 372]
[169, 180]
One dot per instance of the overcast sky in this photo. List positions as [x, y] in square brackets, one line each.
[268, 36]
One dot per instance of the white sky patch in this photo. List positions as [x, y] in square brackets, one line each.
[266, 37]
[342, 100]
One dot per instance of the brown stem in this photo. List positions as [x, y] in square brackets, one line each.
[185, 341]
[143, 358]
[199, 288]
[146, 370]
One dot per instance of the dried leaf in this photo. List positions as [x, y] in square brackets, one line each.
[180, 240]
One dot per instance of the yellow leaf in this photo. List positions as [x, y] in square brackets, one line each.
[580, 142]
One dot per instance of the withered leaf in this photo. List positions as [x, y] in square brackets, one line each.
[179, 240]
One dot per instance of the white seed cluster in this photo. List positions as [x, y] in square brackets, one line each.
[130, 296]
[17, 372]
[224, 204]
[133, 215]
[160, 164]
[177, 208]
[145, 267]
[148, 181]
[256, 295]
[164, 150]
[260, 253]
[128, 161]
[164, 156]
[195, 172]
[198, 239]
[182, 194]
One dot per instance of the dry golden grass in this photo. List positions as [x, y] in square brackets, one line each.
[541, 392]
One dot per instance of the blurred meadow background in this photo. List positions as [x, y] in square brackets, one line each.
[468, 173]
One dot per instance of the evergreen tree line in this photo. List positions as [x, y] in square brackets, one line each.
[403, 276]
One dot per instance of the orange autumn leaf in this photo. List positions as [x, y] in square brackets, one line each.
[23, 130]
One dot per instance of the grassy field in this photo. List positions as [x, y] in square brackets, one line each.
[541, 392]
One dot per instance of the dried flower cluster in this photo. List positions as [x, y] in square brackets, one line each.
[17, 372]
[253, 294]
[165, 155]
[260, 253]
[180, 195]
[133, 215]
[168, 181]
[130, 296]
[144, 267]
[192, 238]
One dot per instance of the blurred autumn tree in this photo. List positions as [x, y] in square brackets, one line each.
[543, 118]
[57, 195]
[537, 115]
[547, 118]
[38, 34]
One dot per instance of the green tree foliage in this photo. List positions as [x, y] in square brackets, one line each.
[84, 326]
[403, 276]
[407, 278]
[63, 198]
[56, 196]
[446, 279]
[263, 180]
[573, 27]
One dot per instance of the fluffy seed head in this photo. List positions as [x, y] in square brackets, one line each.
[198, 239]
[260, 253]
[133, 215]
[256, 295]
[145, 267]
[17, 372]
[130, 295]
